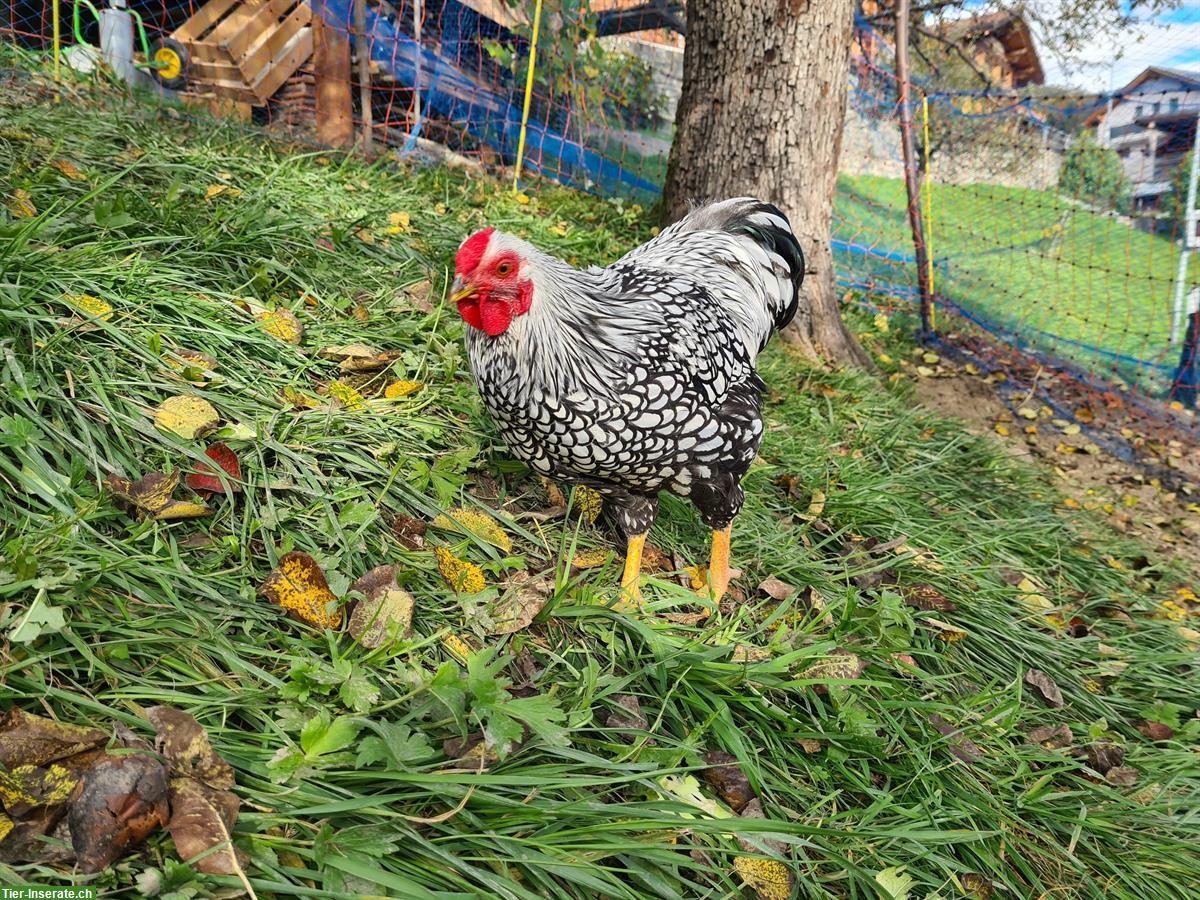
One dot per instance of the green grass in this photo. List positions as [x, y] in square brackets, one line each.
[151, 618]
[1033, 262]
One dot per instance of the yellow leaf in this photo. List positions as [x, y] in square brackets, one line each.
[281, 324]
[1191, 635]
[347, 396]
[399, 223]
[1026, 413]
[697, 576]
[187, 416]
[770, 879]
[589, 503]
[817, 505]
[386, 610]
[299, 587]
[89, 305]
[218, 190]
[971, 369]
[523, 199]
[20, 204]
[474, 522]
[457, 647]
[1171, 611]
[925, 371]
[299, 399]
[931, 358]
[399, 389]
[560, 229]
[459, 574]
[884, 358]
[1001, 430]
[1031, 597]
[67, 169]
[590, 559]
[182, 509]
[366, 235]
[881, 323]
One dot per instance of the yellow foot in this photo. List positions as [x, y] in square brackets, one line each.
[718, 568]
[631, 589]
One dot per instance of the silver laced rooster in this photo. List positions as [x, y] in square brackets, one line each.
[639, 377]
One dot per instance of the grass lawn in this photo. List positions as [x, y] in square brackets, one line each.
[1028, 261]
[881, 713]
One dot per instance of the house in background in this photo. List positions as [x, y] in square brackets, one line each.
[1001, 46]
[1151, 123]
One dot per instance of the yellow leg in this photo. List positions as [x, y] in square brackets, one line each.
[718, 564]
[631, 590]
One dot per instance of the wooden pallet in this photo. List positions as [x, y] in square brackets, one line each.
[244, 50]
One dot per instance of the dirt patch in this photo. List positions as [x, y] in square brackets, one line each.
[1143, 478]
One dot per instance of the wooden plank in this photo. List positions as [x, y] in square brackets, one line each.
[241, 17]
[201, 71]
[272, 43]
[266, 18]
[331, 67]
[285, 65]
[203, 20]
[203, 52]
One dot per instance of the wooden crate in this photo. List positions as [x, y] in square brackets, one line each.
[244, 50]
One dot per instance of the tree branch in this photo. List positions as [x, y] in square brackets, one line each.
[957, 48]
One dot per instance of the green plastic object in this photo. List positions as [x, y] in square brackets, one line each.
[141, 26]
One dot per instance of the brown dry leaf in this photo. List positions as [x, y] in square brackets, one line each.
[725, 776]
[770, 879]
[359, 357]
[417, 295]
[632, 719]
[1121, 776]
[1052, 737]
[776, 589]
[471, 752]
[24, 788]
[299, 587]
[193, 365]
[148, 494]
[1104, 755]
[119, 802]
[410, 532]
[977, 886]
[1156, 731]
[1085, 415]
[816, 505]
[945, 631]
[928, 598]
[298, 399]
[524, 597]
[202, 819]
[960, 747]
[386, 610]
[184, 743]
[840, 665]
[809, 746]
[1046, 687]
[187, 416]
[29, 740]
[282, 324]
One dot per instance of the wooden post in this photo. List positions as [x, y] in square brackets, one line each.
[363, 48]
[911, 182]
[331, 67]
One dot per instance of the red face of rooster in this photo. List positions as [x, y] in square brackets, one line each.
[488, 286]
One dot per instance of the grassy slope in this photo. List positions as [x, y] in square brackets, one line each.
[1102, 283]
[150, 621]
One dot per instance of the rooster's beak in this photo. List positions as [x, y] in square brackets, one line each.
[460, 291]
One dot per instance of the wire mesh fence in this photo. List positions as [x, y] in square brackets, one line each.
[1055, 203]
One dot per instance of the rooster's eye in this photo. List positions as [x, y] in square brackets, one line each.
[505, 268]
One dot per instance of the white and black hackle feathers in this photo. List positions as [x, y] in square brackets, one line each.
[638, 377]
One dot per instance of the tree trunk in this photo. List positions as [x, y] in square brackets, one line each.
[761, 113]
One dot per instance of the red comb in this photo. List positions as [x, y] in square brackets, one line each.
[471, 251]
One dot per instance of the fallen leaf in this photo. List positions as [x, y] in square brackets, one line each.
[298, 399]
[588, 504]
[399, 223]
[204, 479]
[894, 884]
[186, 416]
[386, 610]
[185, 744]
[816, 505]
[29, 740]
[459, 574]
[960, 747]
[471, 752]
[1104, 755]
[1030, 596]
[1121, 776]
[1026, 413]
[748, 653]
[809, 746]
[590, 559]
[770, 879]
[201, 825]
[24, 788]
[347, 396]
[630, 718]
[282, 324]
[977, 886]
[149, 494]
[119, 802]
[776, 589]
[1046, 687]
[1052, 737]
[945, 631]
[410, 532]
[299, 587]
[213, 191]
[474, 522]
[20, 204]
[1085, 415]
[89, 306]
[67, 169]
[182, 509]
[840, 665]
[398, 390]
[928, 598]
[358, 357]
[1156, 731]
[725, 776]
[521, 601]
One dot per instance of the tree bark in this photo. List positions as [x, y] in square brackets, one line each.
[761, 113]
[331, 68]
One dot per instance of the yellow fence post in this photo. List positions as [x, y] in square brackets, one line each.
[537, 21]
[928, 208]
[57, 40]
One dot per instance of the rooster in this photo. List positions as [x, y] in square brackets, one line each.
[639, 377]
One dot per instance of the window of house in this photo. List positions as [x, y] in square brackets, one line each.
[1173, 104]
[1141, 110]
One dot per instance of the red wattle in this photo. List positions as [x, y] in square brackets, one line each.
[469, 310]
[497, 315]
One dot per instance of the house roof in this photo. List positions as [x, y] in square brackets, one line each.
[1186, 76]
[1012, 31]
